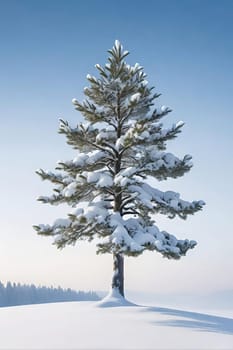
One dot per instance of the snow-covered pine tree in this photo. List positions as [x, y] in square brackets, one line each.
[120, 145]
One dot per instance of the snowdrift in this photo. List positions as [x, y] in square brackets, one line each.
[86, 325]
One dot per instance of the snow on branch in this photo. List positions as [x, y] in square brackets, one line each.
[82, 223]
[168, 203]
[79, 137]
[72, 193]
[83, 137]
[91, 111]
[56, 178]
[150, 162]
[162, 165]
[89, 161]
[132, 237]
[139, 133]
[54, 199]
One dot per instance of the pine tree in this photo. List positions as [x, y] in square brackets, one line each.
[120, 145]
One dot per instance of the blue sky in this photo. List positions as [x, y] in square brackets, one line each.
[47, 49]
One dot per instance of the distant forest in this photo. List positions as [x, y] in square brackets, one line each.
[13, 294]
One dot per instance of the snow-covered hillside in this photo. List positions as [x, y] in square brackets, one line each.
[84, 325]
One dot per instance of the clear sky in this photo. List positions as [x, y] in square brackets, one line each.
[47, 49]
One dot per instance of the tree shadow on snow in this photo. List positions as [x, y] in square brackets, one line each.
[194, 320]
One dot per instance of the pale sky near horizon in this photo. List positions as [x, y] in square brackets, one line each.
[47, 49]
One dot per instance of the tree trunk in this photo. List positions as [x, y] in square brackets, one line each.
[118, 273]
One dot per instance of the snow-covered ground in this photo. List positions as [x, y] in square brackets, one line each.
[85, 325]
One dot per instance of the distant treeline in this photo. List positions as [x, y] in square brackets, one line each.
[22, 294]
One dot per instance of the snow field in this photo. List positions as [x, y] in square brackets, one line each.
[85, 325]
